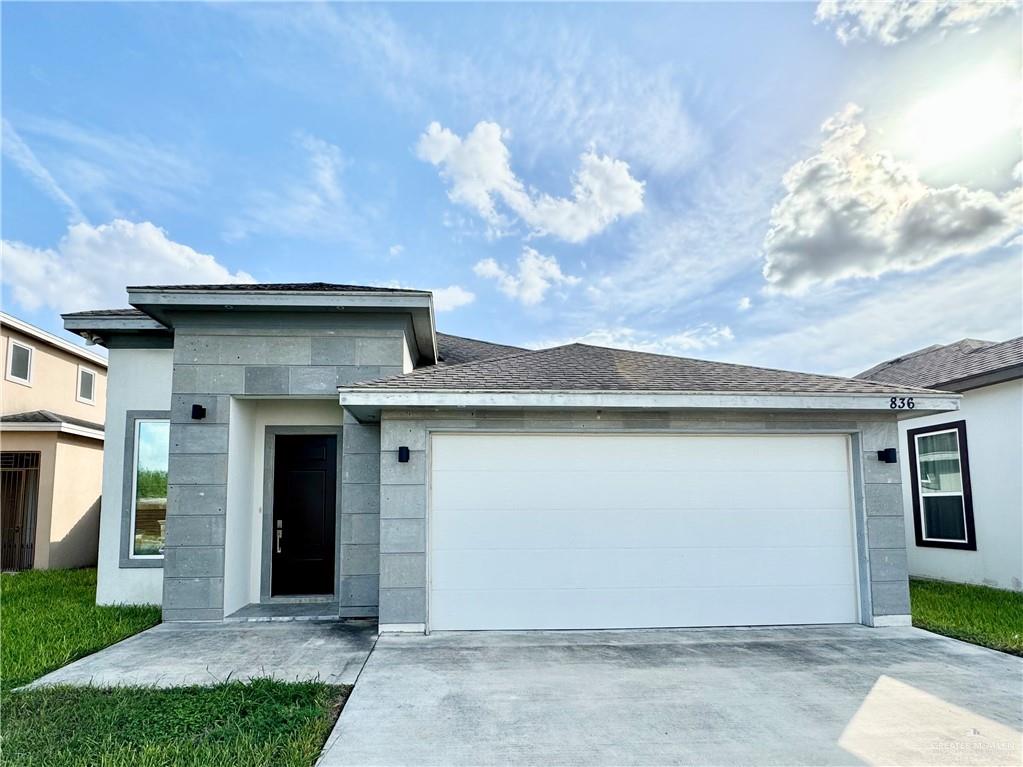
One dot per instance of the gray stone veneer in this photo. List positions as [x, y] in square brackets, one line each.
[271, 355]
[403, 487]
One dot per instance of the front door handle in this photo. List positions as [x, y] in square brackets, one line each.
[279, 534]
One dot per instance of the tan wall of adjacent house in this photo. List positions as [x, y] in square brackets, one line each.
[74, 518]
[54, 385]
[67, 511]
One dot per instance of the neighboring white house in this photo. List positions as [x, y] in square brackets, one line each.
[964, 490]
[321, 450]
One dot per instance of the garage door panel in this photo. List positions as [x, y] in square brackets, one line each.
[640, 608]
[587, 452]
[642, 568]
[618, 531]
[636, 529]
[637, 489]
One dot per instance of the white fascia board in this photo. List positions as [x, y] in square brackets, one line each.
[48, 338]
[63, 428]
[645, 400]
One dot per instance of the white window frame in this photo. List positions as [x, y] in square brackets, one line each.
[134, 489]
[11, 343]
[78, 385]
[961, 493]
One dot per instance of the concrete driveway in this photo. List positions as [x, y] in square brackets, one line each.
[794, 696]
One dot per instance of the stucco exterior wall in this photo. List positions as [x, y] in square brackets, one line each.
[54, 384]
[404, 490]
[140, 379]
[994, 436]
[270, 355]
[74, 515]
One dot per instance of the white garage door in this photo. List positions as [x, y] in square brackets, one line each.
[632, 531]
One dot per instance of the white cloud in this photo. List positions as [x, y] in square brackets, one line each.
[695, 339]
[893, 21]
[15, 149]
[395, 250]
[559, 87]
[536, 274]
[745, 304]
[90, 266]
[821, 334]
[849, 212]
[111, 171]
[452, 297]
[479, 171]
[313, 205]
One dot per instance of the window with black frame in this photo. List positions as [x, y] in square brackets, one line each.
[942, 500]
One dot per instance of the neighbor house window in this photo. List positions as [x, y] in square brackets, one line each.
[86, 386]
[149, 487]
[940, 473]
[19, 362]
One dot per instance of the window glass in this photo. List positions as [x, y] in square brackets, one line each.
[941, 486]
[939, 462]
[86, 384]
[152, 446]
[21, 361]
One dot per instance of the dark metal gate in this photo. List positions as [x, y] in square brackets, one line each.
[19, 492]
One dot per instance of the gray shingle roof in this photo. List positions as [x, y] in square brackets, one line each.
[940, 366]
[46, 416]
[297, 287]
[455, 350]
[580, 367]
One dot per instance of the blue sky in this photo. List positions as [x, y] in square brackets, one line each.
[790, 185]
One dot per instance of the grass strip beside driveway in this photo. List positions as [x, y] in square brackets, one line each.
[50, 618]
[978, 614]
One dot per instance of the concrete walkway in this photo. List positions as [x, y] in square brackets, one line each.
[177, 654]
[795, 696]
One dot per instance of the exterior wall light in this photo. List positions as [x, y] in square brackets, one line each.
[402, 454]
[888, 455]
[198, 412]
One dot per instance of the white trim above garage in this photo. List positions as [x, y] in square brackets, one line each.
[365, 404]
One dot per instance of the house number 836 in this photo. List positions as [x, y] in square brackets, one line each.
[901, 403]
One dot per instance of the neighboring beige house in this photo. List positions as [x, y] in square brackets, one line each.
[52, 406]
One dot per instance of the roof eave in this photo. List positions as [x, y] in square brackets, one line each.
[987, 378]
[366, 404]
[161, 304]
[49, 338]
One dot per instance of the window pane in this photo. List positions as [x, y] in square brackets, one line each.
[943, 517]
[938, 459]
[20, 359]
[151, 486]
[85, 385]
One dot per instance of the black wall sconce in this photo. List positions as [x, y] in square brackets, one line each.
[888, 455]
[198, 412]
[403, 454]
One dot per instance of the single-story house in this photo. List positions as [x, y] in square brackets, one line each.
[963, 493]
[52, 401]
[278, 449]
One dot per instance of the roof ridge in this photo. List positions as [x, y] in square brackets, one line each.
[479, 340]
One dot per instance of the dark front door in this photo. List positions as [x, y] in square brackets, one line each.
[305, 495]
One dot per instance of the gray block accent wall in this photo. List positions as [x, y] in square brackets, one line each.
[219, 355]
[404, 487]
[360, 519]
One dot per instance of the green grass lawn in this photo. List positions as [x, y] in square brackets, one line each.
[48, 619]
[985, 616]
